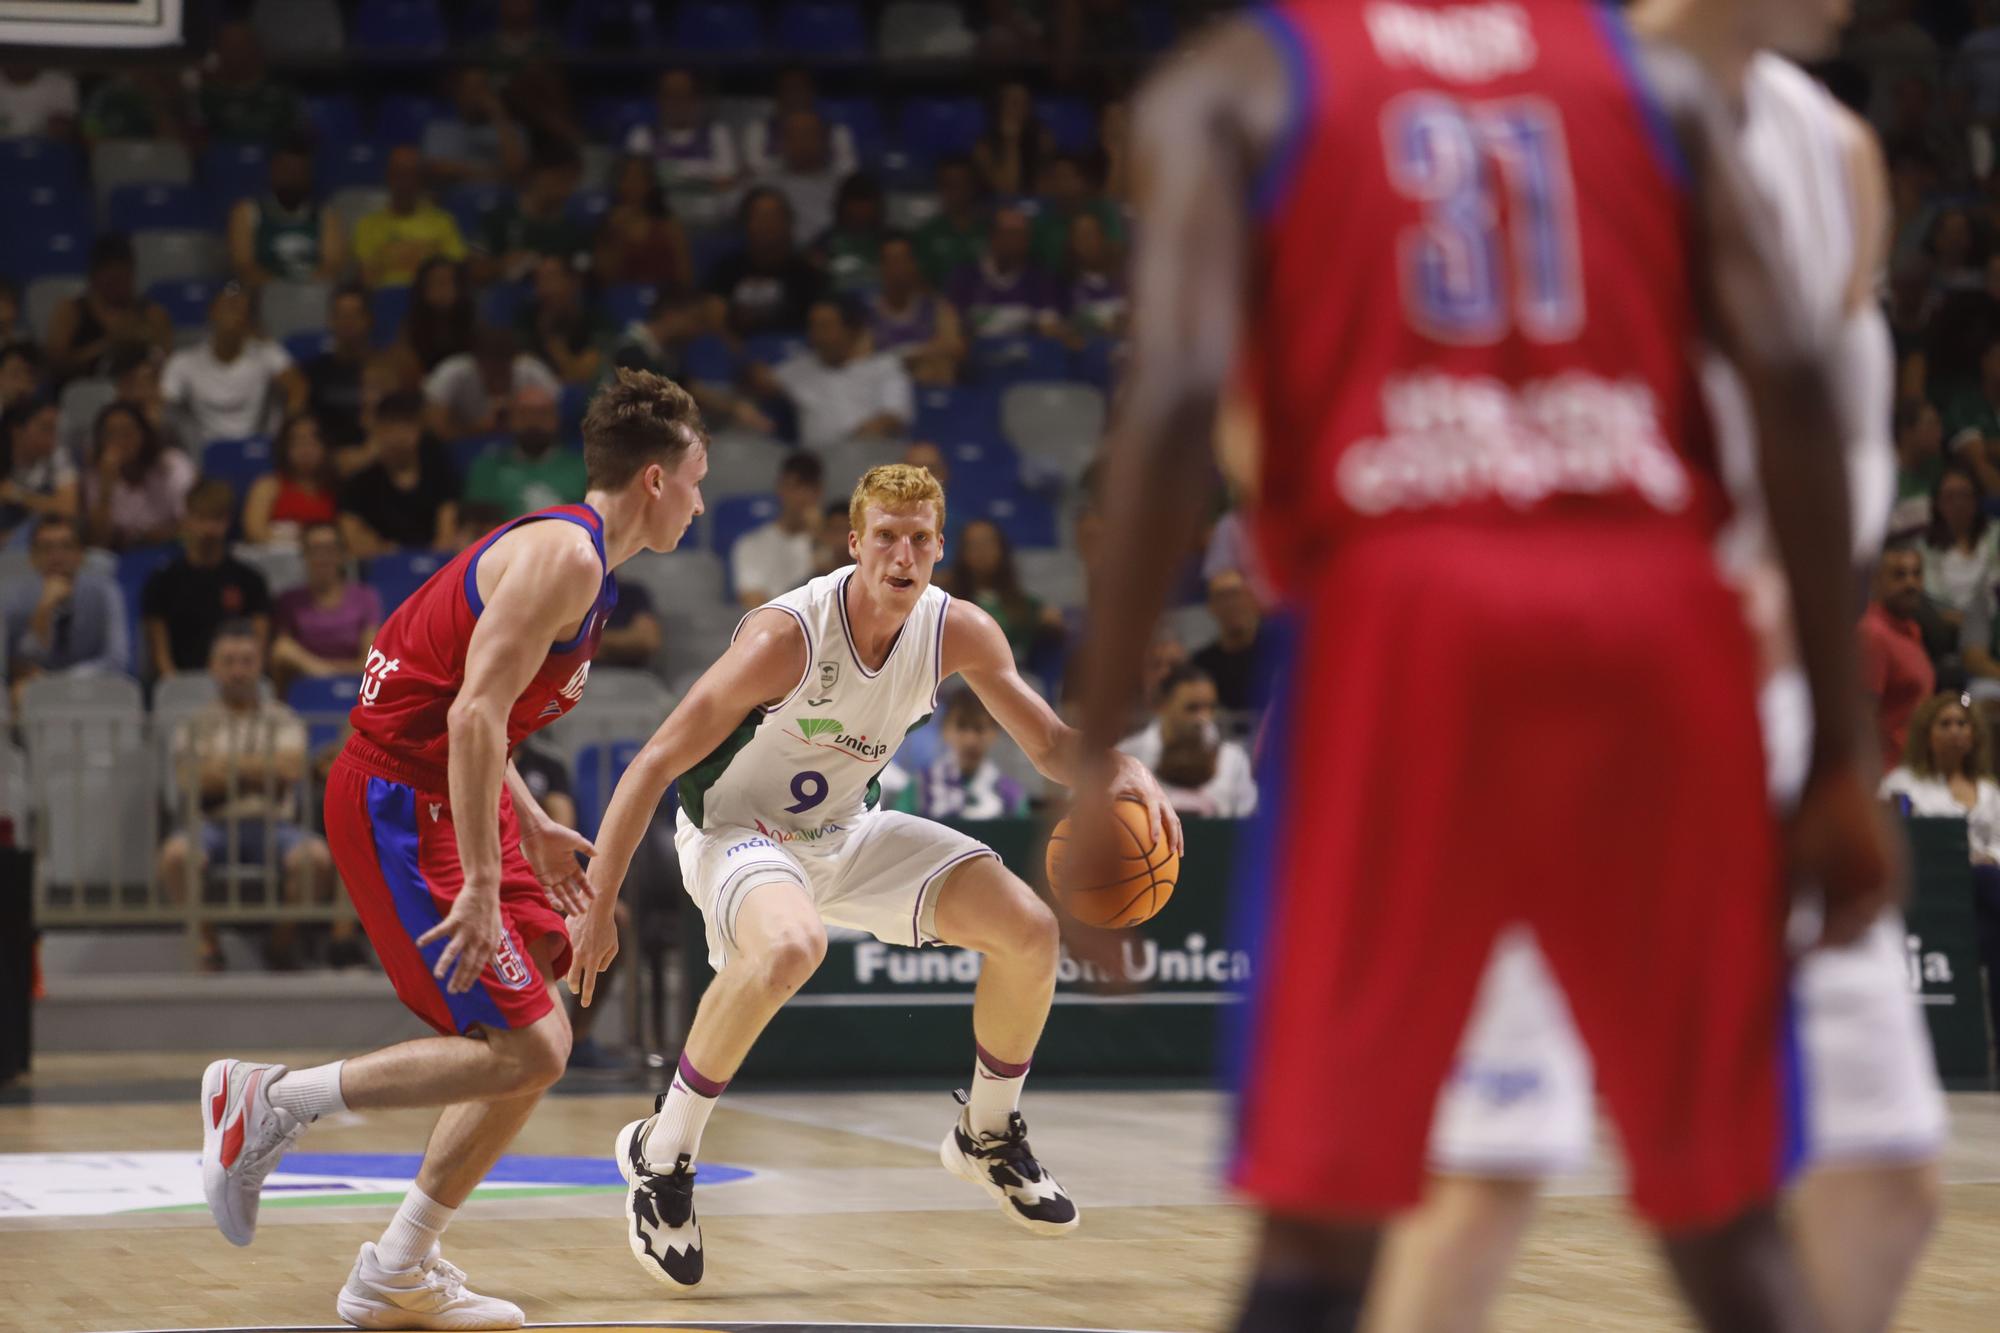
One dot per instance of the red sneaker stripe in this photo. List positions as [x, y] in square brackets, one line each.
[220, 1100]
[232, 1139]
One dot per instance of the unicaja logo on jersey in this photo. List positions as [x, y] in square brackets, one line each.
[374, 673]
[813, 729]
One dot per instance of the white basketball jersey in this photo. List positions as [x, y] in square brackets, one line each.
[1795, 146]
[806, 767]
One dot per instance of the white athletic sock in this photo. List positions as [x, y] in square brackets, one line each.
[309, 1093]
[996, 1092]
[678, 1127]
[418, 1225]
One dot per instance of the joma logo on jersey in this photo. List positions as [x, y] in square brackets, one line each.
[374, 673]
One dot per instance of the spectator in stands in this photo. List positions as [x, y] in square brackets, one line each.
[1919, 463]
[535, 471]
[479, 140]
[1237, 661]
[298, 492]
[1202, 773]
[21, 366]
[239, 764]
[325, 627]
[560, 323]
[283, 234]
[688, 147]
[1975, 67]
[65, 618]
[134, 369]
[909, 319]
[661, 342]
[1961, 549]
[37, 102]
[956, 237]
[392, 243]
[963, 782]
[143, 103]
[517, 39]
[1972, 417]
[468, 394]
[641, 239]
[547, 777]
[984, 573]
[763, 140]
[1114, 142]
[474, 521]
[537, 224]
[1004, 294]
[851, 249]
[1896, 672]
[1946, 772]
[408, 497]
[13, 329]
[804, 171]
[767, 285]
[1093, 298]
[839, 389]
[187, 601]
[924, 454]
[1010, 154]
[40, 478]
[773, 559]
[333, 378]
[440, 321]
[136, 491]
[632, 634]
[234, 383]
[830, 540]
[110, 311]
[1068, 192]
[239, 102]
[1957, 260]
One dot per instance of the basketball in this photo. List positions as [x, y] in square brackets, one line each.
[1143, 878]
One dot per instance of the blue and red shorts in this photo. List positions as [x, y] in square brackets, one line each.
[1490, 724]
[391, 834]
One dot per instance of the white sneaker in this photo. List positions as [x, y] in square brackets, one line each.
[660, 1226]
[1005, 1167]
[431, 1295]
[243, 1136]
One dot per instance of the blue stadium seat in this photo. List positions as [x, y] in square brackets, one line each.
[186, 299]
[593, 779]
[304, 347]
[45, 253]
[470, 204]
[824, 29]
[627, 301]
[403, 117]
[1004, 361]
[238, 462]
[157, 208]
[935, 127]
[718, 28]
[1027, 519]
[980, 466]
[357, 162]
[710, 359]
[771, 348]
[40, 210]
[610, 119]
[589, 207]
[1155, 21]
[1097, 362]
[574, 403]
[862, 116]
[323, 701]
[500, 303]
[335, 118]
[232, 171]
[388, 305]
[1070, 121]
[623, 25]
[32, 161]
[401, 26]
[398, 575]
[966, 411]
[733, 517]
[469, 449]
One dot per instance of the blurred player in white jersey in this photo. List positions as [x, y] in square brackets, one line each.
[1520, 1105]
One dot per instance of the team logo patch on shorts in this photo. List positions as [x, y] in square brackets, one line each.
[507, 965]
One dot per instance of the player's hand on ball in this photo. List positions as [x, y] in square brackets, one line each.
[551, 850]
[593, 943]
[1842, 842]
[471, 931]
[1133, 781]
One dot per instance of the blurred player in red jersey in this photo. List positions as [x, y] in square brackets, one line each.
[458, 876]
[1463, 252]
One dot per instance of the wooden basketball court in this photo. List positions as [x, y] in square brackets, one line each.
[842, 1215]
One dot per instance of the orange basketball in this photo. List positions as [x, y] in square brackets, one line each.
[1142, 881]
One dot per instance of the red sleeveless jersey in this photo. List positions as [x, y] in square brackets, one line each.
[417, 663]
[1472, 296]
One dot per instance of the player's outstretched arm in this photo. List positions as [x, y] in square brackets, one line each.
[976, 648]
[549, 581]
[765, 664]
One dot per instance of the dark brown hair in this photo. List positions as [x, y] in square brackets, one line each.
[636, 419]
[150, 445]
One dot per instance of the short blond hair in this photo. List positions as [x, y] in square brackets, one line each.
[894, 486]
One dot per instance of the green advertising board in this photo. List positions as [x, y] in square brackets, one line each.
[1942, 944]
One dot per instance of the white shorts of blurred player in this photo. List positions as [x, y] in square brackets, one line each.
[1520, 1104]
[880, 875]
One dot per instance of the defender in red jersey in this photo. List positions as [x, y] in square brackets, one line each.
[458, 876]
[1461, 254]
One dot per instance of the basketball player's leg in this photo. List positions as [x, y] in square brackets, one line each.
[984, 907]
[1860, 1232]
[1442, 1265]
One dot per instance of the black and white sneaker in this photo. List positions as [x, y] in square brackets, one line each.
[660, 1224]
[1003, 1166]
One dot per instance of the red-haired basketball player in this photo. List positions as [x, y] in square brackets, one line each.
[458, 876]
[1463, 251]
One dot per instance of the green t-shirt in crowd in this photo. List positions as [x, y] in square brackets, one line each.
[521, 486]
[942, 249]
[1048, 239]
[263, 113]
[119, 109]
[1970, 410]
[853, 261]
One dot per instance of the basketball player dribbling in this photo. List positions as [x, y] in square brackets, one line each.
[1519, 1106]
[778, 748]
[1461, 252]
[457, 874]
